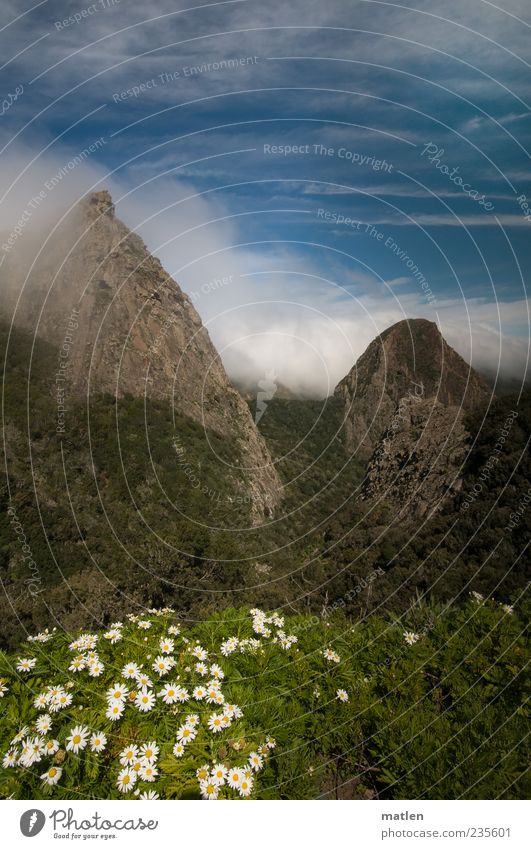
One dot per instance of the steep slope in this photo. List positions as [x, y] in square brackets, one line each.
[404, 404]
[123, 326]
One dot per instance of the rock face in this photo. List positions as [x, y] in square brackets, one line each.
[404, 404]
[125, 327]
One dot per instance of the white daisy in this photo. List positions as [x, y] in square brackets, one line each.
[219, 773]
[98, 742]
[186, 733]
[114, 711]
[52, 775]
[192, 719]
[51, 747]
[95, 669]
[199, 652]
[217, 672]
[130, 670]
[166, 645]
[144, 680]
[144, 700]
[10, 759]
[234, 778]
[128, 755]
[77, 739]
[215, 723]
[162, 665]
[149, 751]
[201, 668]
[209, 789]
[21, 734]
[126, 780]
[270, 742]
[41, 701]
[342, 695]
[26, 664]
[174, 630]
[256, 761]
[117, 693]
[148, 772]
[44, 723]
[149, 795]
[78, 664]
[144, 624]
[199, 693]
[246, 786]
[410, 637]
[178, 750]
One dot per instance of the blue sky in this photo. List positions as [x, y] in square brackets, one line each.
[237, 134]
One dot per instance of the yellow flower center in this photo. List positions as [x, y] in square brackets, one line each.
[76, 739]
[52, 772]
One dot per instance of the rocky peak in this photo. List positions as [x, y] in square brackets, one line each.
[409, 359]
[127, 328]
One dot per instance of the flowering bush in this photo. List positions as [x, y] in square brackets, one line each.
[149, 710]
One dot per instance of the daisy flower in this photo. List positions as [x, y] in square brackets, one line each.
[10, 759]
[478, 598]
[256, 761]
[115, 711]
[117, 693]
[202, 773]
[410, 637]
[62, 700]
[209, 789]
[96, 668]
[226, 720]
[182, 694]
[114, 635]
[201, 668]
[52, 776]
[229, 646]
[41, 701]
[149, 751]
[162, 665]
[145, 699]
[166, 645]
[174, 630]
[144, 624]
[128, 755]
[98, 742]
[130, 670]
[342, 695]
[270, 742]
[126, 780]
[77, 664]
[219, 773]
[51, 747]
[331, 656]
[200, 653]
[26, 664]
[144, 680]
[44, 723]
[217, 672]
[508, 608]
[185, 733]
[168, 694]
[192, 719]
[178, 750]
[199, 693]
[234, 710]
[246, 787]
[77, 739]
[149, 795]
[215, 724]
[234, 778]
[148, 772]
[21, 734]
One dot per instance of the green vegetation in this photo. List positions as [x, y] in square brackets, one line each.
[433, 706]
